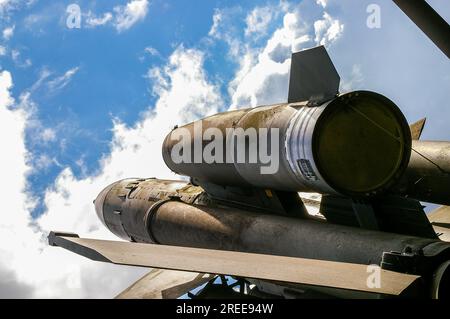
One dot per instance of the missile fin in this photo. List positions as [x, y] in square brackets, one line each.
[417, 128]
[164, 284]
[440, 219]
[313, 77]
[281, 269]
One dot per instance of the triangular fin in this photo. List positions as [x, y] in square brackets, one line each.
[417, 128]
[313, 76]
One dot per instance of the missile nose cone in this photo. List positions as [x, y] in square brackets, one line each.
[99, 203]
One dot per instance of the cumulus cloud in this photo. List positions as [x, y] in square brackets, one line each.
[323, 3]
[44, 161]
[8, 32]
[48, 135]
[224, 28]
[14, 232]
[258, 20]
[327, 29]
[263, 74]
[131, 13]
[29, 268]
[184, 92]
[4, 6]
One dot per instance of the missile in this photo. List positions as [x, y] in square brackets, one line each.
[427, 177]
[178, 213]
[357, 144]
[247, 166]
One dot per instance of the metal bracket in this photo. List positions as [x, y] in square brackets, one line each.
[365, 214]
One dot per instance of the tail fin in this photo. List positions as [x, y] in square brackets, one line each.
[440, 220]
[313, 76]
[417, 128]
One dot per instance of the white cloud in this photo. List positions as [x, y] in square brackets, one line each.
[322, 3]
[8, 32]
[131, 13]
[327, 30]
[355, 80]
[4, 3]
[225, 28]
[5, 85]
[16, 57]
[48, 135]
[43, 162]
[2, 50]
[122, 18]
[263, 74]
[14, 232]
[184, 93]
[43, 75]
[217, 18]
[4, 6]
[62, 81]
[258, 20]
[27, 63]
[152, 51]
[37, 270]
[93, 21]
[15, 54]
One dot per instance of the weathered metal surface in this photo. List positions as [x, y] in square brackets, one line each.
[427, 177]
[429, 21]
[267, 267]
[357, 144]
[440, 288]
[417, 128]
[313, 77]
[254, 199]
[393, 214]
[164, 284]
[174, 222]
[232, 229]
[440, 219]
[112, 204]
[240, 222]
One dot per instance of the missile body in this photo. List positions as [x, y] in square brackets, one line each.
[357, 144]
[177, 213]
[427, 177]
[248, 165]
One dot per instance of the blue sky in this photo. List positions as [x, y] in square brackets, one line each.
[83, 107]
[109, 79]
